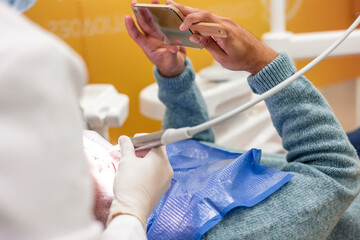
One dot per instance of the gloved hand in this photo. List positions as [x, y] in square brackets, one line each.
[139, 183]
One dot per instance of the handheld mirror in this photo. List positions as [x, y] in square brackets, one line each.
[165, 20]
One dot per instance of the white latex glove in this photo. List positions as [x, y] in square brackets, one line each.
[139, 183]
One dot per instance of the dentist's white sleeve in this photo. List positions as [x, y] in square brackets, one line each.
[46, 191]
[129, 226]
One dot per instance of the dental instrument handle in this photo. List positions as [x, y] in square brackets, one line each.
[156, 139]
[172, 135]
[202, 127]
[147, 141]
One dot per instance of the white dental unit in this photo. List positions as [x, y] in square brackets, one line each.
[103, 107]
[300, 46]
[305, 45]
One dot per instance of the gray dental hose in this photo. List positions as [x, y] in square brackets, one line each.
[171, 135]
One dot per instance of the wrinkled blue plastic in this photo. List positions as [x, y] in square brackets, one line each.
[207, 183]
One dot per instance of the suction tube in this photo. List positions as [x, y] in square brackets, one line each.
[174, 135]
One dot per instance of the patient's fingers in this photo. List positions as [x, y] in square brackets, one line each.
[183, 50]
[148, 21]
[133, 3]
[173, 48]
[134, 32]
[185, 10]
[142, 24]
[209, 44]
[202, 16]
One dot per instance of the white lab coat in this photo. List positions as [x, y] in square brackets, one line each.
[45, 185]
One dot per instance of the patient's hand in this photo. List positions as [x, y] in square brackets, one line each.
[239, 51]
[169, 59]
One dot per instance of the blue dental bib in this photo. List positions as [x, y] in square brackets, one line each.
[208, 183]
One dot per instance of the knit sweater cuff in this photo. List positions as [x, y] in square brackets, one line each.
[277, 71]
[179, 83]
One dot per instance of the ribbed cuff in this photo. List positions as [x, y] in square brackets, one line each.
[178, 83]
[277, 71]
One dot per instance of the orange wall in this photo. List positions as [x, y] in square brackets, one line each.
[338, 15]
[96, 30]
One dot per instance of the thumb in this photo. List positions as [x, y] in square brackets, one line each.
[126, 147]
[209, 44]
[185, 10]
[173, 49]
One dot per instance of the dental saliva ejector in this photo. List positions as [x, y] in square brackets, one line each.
[172, 135]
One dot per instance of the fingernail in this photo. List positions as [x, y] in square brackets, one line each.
[181, 27]
[170, 1]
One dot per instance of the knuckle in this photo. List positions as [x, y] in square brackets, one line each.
[232, 21]
[228, 20]
[207, 13]
[189, 18]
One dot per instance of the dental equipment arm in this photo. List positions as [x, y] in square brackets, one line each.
[169, 136]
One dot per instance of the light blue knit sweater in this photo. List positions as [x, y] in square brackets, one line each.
[315, 203]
